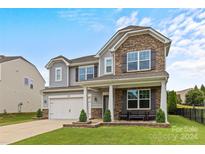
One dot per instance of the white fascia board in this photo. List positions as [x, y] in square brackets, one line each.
[110, 40]
[53, 60]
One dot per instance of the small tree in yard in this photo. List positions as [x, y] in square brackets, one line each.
[83, 116]
[195, 97]
[107, 116]
[172, 102]
[39, 113]
[160, 116]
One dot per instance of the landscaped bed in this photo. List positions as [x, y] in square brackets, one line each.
[182, 131]
[8, 119]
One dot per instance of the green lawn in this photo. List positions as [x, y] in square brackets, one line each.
[183, 131]
[15, 118]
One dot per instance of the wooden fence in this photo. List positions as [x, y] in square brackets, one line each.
[197, 115]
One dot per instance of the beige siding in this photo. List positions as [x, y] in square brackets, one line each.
[12, 88]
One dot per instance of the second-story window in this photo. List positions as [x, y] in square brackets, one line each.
[138, 60]
[58, 73]
[108, 65]
[86, 73]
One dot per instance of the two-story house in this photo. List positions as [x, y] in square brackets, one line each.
[127, 75]
[20, 85]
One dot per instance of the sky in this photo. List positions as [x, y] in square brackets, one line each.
[41, 34]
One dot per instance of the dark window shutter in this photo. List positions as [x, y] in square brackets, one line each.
[124, 101]
[124, 63]
[76, 74]
[153, 59]
[95, 70]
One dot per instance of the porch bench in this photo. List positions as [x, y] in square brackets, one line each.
[136, 116]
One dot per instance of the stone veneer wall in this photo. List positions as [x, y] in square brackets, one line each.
[137, 43]
[96, 113]
[119, 100]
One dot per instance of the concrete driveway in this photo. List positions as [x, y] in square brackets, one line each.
[16, 132]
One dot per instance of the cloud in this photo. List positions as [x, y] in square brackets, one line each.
[202, 15]
[86, 18]
[145, 22]
[127, 20]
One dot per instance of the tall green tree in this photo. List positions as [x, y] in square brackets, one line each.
[196, 88]
[195, 97]
[179, 100]
[171, 102]
[202, 88]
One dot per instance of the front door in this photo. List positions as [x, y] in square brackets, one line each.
[105, 103]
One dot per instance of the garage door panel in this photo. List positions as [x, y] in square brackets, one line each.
[67, 108]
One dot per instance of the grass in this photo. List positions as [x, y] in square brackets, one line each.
[189, 107]
[15, 118]
[183, 131]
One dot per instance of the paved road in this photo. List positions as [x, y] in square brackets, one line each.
[16, 132]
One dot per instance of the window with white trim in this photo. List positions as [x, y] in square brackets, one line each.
[86, 73]
[138, 60]
[58, 74]
[108, 65]
[138, 99]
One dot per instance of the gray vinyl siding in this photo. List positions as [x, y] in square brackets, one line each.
[52, 81]
[102, 59]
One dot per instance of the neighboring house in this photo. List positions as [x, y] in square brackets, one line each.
[126, 75]
[21, 85]
[182, 94]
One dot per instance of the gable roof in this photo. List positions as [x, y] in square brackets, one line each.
[72, 62]
[4, 59]
[124, 33]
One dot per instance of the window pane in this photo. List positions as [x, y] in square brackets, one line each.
[144, 55]
[58, 74]
[132, 94]
[82, 77]
[144, 94]
[132, 56]
[132, 103]
[81, 70]
[144, 64]
[108, 69]
[89, 76]
[132, 66]
[108, 62]
[90, 70]
[144, 104]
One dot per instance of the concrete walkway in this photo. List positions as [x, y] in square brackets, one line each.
[16, 132]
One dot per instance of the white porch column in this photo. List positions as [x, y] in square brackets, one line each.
[111, 103]
[163, 103]
[85, 100]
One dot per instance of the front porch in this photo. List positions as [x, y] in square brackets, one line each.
[128, 101]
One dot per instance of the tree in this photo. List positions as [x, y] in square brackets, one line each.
[196, 88]
[172, 102]
[195, 97]
[202, 88]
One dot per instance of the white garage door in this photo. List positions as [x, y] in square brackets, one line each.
[65, 108]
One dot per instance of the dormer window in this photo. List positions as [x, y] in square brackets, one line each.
[58, 74]
[108, 65]
[139, 60]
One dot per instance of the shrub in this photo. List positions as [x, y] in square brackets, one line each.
[195, 97]
[172, 102]
[83, 116]
[39, 113]
[160, 117]
[107, 116]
